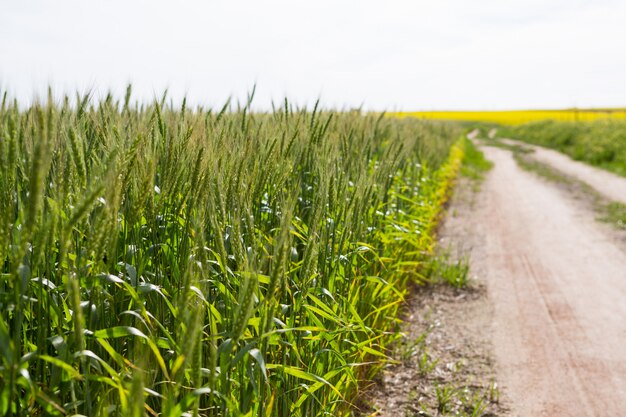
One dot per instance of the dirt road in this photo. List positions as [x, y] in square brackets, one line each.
[557, 280]
[609, 185]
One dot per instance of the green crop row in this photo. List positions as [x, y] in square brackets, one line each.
[162, 261]
[601, 142]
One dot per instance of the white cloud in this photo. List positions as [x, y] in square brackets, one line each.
[396, 54]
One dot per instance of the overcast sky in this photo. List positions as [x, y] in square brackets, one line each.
[402, 55]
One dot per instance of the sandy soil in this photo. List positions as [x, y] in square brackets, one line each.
[609, 185]
[460, 356]
[557, 281]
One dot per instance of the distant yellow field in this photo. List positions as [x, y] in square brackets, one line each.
[517, 116]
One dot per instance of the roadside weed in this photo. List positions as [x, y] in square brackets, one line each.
[441, 269]
[613, 213]
[425, 363]
[493, 392]
[444, 398]
[475, 165]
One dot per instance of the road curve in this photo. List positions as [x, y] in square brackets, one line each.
[558, 284]
[611, 186]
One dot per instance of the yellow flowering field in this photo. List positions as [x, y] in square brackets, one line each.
[512, 117]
